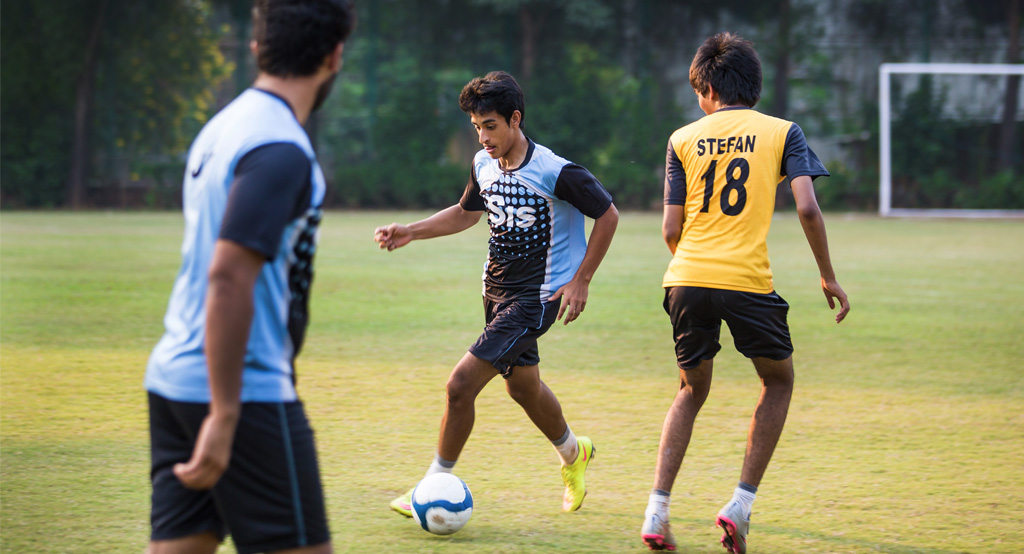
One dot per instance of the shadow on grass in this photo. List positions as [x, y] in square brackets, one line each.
[828, 542]
[839, 542]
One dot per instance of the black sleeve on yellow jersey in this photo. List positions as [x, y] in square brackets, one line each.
[580, 188]
[272, 186]
[798, 159]
[675, 178]
[471, 200]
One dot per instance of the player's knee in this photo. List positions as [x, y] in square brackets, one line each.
[775, 373]
[460, 391]
[697, 392]
[780, 381]
[696, 381]
[522, 392]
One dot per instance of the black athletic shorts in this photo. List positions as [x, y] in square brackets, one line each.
[270, 497]
[510, 336]
[757, 323]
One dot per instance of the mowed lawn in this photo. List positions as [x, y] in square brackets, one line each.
[906, 432]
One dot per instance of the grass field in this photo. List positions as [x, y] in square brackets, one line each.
[906, 433]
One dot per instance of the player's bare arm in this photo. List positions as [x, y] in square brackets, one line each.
[575, 292]
[229, 309]
[448, 221]
[814, 229]
[672, 225]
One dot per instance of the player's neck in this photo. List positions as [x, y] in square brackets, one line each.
[718, 107]
[515, 155]
[298, 92]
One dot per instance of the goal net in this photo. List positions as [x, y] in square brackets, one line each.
[943, 146]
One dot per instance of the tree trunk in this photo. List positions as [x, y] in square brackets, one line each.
[371, 64]
[630, 35]
[84, 88]
[783, 192]
[532, 23]
[782, 62]
[241, 16]
[1008, 125]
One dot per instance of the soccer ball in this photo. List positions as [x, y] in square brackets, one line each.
[442, 503]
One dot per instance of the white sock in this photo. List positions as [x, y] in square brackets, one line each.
[566, 447]
[440, 465]
[658, 504]
[744, 498]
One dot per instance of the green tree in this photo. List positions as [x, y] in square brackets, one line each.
[101, 91]
[40, 57]
[156, 87]
[1004, 14]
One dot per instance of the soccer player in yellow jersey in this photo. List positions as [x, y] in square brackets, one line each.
[721, 176]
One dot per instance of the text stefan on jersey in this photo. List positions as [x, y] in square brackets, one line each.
[715, 146]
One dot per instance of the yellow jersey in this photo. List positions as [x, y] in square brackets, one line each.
[724, 169]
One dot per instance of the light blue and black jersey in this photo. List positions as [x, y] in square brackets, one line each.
[252, 178]
[536, 215]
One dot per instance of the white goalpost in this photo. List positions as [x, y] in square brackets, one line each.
[886, 70]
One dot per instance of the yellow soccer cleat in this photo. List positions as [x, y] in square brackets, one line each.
[572, 475]
[403, 504]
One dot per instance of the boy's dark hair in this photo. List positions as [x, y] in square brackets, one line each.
[294, 36]
[495, 92]
[729, 64]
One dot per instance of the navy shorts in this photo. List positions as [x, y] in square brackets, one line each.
[270, 497]
[757, 323]
[510, 336]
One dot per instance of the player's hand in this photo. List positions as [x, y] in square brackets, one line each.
[211, 454]
[392, 236]
[574, 300]
[834, 292]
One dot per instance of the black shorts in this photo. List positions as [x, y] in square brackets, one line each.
[270, 497]
[757, 323]
[510, 336]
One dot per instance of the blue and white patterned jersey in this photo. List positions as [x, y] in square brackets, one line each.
[237, 188]
[536, 215]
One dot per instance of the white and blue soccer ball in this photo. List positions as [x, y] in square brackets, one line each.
[442, 503]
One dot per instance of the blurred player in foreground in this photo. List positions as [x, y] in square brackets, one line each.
[539, 267]
[232, 450]
[721, 176]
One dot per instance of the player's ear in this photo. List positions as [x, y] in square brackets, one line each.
[334, 59]
[254, 47]
[516, 118]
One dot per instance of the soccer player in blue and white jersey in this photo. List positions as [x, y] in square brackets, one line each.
[539, 267]
[232, 450]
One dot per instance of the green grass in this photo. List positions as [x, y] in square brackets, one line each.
[906, 433]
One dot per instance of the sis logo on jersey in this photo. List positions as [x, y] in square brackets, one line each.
[511, 204]
[519, 218]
